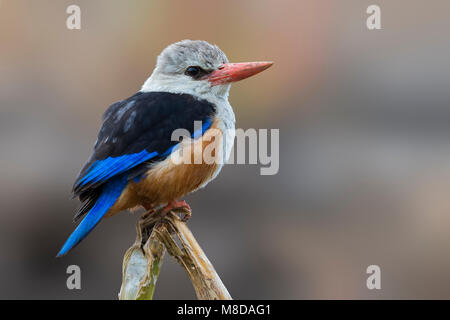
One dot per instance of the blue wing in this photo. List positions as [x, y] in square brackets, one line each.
[135, 131]
[138, 130]
[110, 192]
[102, 170]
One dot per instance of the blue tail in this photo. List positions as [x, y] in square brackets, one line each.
[111, 191]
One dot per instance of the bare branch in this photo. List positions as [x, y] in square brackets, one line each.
[142, 262]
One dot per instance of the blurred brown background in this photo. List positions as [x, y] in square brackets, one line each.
[364, 120]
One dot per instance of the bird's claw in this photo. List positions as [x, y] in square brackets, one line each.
[178, 207]
[148, 213]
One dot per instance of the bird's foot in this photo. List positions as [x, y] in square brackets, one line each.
[178, 206]
[148, 213]
[149, 208]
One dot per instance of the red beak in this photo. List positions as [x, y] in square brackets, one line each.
[231, 72]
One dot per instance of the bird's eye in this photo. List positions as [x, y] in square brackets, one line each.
[194, 71]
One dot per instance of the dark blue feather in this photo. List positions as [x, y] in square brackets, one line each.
[102, 170]
[111, 191]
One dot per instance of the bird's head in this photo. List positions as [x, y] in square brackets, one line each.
[198, 68]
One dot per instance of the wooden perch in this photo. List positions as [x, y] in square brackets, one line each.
[142, 262]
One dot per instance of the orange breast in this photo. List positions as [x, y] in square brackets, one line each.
[190, 167]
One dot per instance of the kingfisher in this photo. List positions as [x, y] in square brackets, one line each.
[133, 160]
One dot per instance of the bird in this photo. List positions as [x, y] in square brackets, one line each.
[132, 164]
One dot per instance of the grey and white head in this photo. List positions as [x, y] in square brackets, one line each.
[199, 68]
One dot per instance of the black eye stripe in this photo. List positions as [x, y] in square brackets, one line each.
[195, 72]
